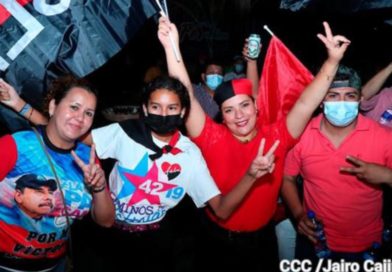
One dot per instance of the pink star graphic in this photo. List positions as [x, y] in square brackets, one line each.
[148, 187]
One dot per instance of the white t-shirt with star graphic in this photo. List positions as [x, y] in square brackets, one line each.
[144, 190]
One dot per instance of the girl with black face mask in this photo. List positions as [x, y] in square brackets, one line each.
[156, 166]
[166, 116]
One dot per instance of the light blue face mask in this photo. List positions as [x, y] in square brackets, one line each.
[341, 113]
[213, 81]
[238, 68]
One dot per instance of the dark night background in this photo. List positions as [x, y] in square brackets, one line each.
[218, 29]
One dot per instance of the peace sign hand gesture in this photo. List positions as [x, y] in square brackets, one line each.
[336, 45]
[369, 172]
[263, 164]
[94, 176]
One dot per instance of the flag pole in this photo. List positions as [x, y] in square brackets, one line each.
[166, 10]
[268, 30]
[177, 55]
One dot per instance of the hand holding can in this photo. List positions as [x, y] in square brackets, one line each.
[254, 46]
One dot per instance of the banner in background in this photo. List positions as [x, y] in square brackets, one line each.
[40, 41]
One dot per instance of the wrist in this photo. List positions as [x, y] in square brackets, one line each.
[25, 109]
[252, 62]
[18, 105]
[98, 189]
[333, 62]
[299, 215]
[250, 175]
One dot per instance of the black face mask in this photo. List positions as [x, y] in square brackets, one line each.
[163, 124]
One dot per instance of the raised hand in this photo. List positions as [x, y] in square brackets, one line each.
[164, 28]
[245, 53]
[94, 176]
[336, 45]
[369, 172]
[263, 164]
[9, 96]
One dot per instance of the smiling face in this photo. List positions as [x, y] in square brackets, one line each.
[71, 117]
[35, 202]
[240, 114]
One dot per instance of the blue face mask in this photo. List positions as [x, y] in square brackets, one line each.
[340, 113]
[213, 81]
[238, 68]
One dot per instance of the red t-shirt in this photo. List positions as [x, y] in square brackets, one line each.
[228, 160]
[349, 208]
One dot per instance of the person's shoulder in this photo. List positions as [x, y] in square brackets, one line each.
[23, 132]
[108, 126]
[386, 91]
[24, 135]
[314, 123]
[185, 142]
[116, 129]
[229, 76]
[188, 146]
[197, 86]
[6, 139]
[368, 123]
[217, 134]
[82, 147]
[310, 132]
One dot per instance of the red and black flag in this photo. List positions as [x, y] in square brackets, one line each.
[40, 39]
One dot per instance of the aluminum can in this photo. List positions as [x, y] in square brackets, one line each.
[254, 46]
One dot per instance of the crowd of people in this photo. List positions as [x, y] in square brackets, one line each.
[204, 142]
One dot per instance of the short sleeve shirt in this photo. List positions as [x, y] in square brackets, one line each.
[228, 160]
[349, 208]
[144, 190]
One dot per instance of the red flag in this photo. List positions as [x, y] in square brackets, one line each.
[283, 79]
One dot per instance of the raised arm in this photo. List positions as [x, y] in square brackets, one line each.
[314, 93]
[374, 84]
[10, 98]
[196, 118]
[252, 72]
